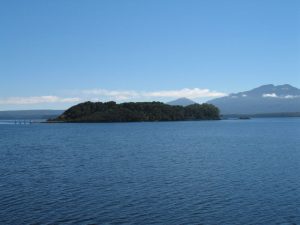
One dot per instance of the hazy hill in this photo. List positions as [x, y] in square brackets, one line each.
[265, 99]
[182, 102]
[29, 114]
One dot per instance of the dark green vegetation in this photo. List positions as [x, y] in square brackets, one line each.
[134, 112]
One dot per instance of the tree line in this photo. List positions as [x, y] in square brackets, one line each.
[137, 111]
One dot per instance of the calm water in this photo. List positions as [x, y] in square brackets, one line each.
[217, 172]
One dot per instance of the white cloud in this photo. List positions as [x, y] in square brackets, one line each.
[124, 95]
[36, 100]
[116, 95]
[186, 92]
[272, 95]
[292, 96]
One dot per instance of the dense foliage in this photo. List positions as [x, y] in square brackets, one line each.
[133, 112]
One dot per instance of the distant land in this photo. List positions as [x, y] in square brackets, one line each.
[265, 99]
[262, 115]
[182, 102]
[29, 114]
[136, 112]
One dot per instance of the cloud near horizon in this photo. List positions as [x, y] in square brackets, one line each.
[125, 95]
[274, 95]
[36, 100]
[115, 95]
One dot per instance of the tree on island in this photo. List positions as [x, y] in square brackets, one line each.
[136, 111]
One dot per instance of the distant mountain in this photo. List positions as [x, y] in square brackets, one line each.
[182, 102]
[265, 99]
[29, 114]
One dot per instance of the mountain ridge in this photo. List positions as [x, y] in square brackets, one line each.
[182, 102]
[263, 99]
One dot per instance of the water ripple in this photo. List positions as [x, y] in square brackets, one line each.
[151, 173]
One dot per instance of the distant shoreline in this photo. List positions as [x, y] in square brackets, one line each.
[263, 115]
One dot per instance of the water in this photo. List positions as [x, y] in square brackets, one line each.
[216, 172]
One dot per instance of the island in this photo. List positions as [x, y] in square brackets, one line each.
[136, 112]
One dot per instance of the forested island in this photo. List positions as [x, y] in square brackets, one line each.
[136, 111]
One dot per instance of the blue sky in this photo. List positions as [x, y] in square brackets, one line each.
[56, 53]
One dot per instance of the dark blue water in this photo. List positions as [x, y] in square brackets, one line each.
[217, 172]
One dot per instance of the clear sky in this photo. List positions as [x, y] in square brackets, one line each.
[56, 53]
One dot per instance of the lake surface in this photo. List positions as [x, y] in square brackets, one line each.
[211, 172]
